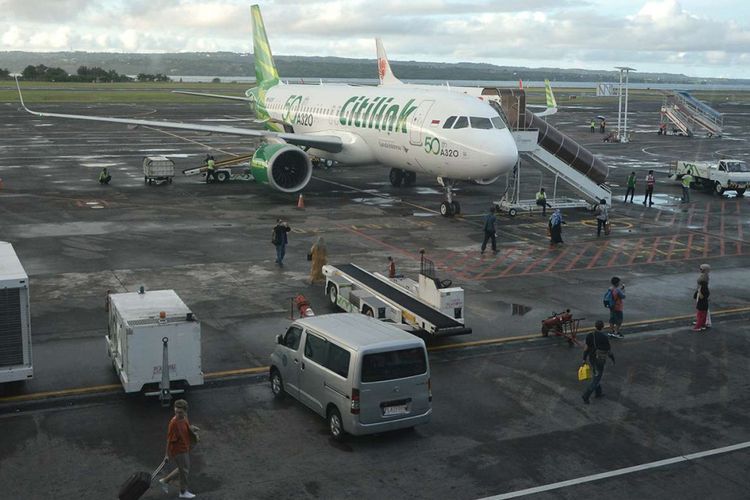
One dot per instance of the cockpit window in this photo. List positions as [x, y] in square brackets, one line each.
[461, 122]
[481, 123]
[449, 122]
[498, 122]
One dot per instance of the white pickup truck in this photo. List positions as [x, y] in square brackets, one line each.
[721, 176]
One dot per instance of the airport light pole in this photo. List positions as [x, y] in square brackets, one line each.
[622, 133]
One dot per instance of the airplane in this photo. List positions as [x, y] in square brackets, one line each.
[445, 134]
[386, 77]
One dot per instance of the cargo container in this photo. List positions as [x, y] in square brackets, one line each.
[15, 322]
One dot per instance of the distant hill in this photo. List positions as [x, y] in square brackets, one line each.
[224, 64]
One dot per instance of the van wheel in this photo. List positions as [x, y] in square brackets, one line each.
[740, 192]
[719, 190]
[277, 384]
[335, 425]
[333, 294]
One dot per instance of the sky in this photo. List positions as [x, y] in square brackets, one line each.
[692, 37]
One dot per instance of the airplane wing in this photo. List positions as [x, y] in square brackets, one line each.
[218, 96]
[330, 143]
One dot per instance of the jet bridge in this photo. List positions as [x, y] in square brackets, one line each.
[542, 143]
[688, 114]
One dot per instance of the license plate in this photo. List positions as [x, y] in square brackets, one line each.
[394, 410]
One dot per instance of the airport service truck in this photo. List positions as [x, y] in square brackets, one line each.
[15, 323]
[429, 305]
[153, 340]
[721, 176]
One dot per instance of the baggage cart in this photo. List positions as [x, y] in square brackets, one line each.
[157, 168]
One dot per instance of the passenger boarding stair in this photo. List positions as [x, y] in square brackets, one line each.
[566, 159]
[688, 114]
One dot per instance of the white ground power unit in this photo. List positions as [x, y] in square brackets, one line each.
[15, 322]
[153, 340]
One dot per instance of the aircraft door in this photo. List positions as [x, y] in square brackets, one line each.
[417, 122]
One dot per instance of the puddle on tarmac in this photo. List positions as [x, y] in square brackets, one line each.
[514, 309]
[423, 214]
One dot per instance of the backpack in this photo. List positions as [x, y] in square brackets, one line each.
[609, 299]
[274, 237]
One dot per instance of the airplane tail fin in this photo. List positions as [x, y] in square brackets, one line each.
[385, 75]
[265, 69]
[551, 102]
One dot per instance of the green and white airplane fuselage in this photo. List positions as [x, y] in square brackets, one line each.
[400, 128]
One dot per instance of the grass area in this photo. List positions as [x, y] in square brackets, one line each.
[92, 93]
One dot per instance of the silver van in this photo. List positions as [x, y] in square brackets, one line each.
[364, 376]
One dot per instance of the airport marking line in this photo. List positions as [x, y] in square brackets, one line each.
[102, 389]
[621, 472]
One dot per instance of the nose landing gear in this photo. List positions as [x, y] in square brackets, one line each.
[449, 207]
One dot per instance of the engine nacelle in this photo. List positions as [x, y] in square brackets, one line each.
[282, 166]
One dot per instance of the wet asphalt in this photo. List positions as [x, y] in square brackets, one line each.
[506, 417]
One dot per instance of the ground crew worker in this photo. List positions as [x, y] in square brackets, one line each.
[541, 200]
[391, 267]
[631, 187]
[687, 179]
[104, 176]
[593, 125]
[210, 169]
[319, 258]
[602, 126]
[649, 196]
[489, 230]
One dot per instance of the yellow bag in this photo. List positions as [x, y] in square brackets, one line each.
[584, 372]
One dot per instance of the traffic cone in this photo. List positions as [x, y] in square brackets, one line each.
[301, 202]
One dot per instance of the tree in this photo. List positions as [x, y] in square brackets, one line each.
[4, 74]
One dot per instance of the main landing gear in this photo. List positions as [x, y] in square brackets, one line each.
[399, 177]
[449, 207]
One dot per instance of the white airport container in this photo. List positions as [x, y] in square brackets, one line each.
[134, 339]
[157, 168]
[15, 322]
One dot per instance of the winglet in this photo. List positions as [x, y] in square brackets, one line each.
[385, 75]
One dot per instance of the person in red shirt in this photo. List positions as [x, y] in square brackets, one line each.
[649, 196]
[615, 313]
[178, 449]
[391, 267]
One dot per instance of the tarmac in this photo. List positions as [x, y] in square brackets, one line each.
[507, 411]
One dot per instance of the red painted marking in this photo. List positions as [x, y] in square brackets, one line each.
[738, 206]
[612, 259]
[497, 261]
[689, 245]
[654, 248]
[597, 255]
[691, 211]
[672, 243]
[635, 251]
[658, 214]
[705, 244]
[510, 268]
[578, 257]
[554, 262]
[537, 261]
[706, 218]
[674, 218]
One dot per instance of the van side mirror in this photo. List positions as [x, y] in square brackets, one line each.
[279, 340]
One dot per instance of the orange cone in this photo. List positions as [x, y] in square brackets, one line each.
[301, 202]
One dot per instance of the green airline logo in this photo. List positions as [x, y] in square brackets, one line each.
[378, 113]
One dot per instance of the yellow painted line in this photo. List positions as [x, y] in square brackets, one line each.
[261, 369]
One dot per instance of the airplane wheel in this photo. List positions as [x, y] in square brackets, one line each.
[446, 209]
[410, 178]
[396, 177]
[456, 207]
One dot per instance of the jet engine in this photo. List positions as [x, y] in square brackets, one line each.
[284, 167]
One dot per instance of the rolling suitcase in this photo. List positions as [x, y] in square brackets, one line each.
[138, 483]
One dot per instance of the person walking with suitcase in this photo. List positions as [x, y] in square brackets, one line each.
[178, 449]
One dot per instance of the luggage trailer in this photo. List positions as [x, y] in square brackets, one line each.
[430, 305]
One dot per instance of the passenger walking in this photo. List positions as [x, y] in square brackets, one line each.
[602, 218]
[593, 125]
[391, 267]
[555, 228]
[541, 200]
[602, 126]
[178, 449]
[617, 307]
[649, 196]
[687, 179]
[104, 176]
[701, 299]
[596, 352]
[490, 233]
[631, 187]
[280, 240]
[318, 256]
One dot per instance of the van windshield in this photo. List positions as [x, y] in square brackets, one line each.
[737, 166]
[391, 365]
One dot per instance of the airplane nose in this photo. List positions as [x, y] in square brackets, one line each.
[504, 153]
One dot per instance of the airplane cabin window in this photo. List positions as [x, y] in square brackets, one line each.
[498, 122]
[449, 122]
[481, 123]
[461, 122]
